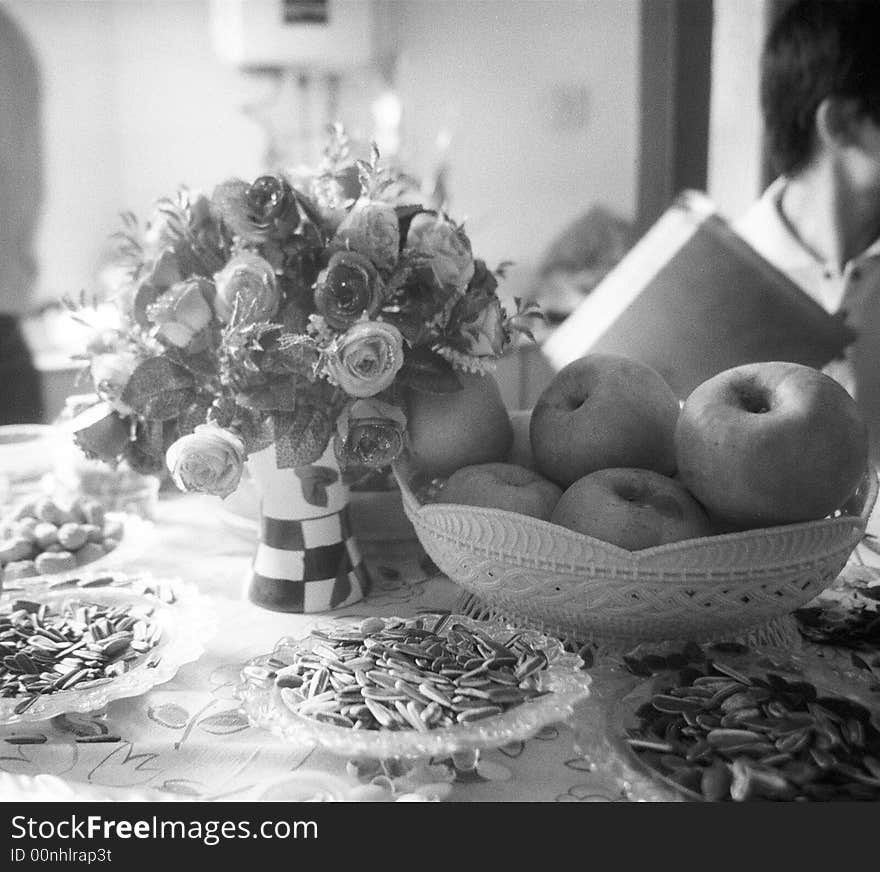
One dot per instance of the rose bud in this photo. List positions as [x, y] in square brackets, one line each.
[209, 460]
[256, 211]
[182, 311]
[371, 433]
[347, 288]
[447, 246]
[366, 358]
[247, 290]
[372, 229]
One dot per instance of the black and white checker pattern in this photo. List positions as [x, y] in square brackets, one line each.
[307, 559]
[308, 566]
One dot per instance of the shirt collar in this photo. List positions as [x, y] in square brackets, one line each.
[791, 253]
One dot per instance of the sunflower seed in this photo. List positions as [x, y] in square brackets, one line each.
[401, 675]
[758, 738]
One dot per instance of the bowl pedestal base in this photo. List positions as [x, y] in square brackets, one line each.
[780, 632]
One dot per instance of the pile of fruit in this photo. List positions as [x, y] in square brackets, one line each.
[45, 536]
[610, 451]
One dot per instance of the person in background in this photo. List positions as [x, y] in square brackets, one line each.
[20, 198]
[819, 222]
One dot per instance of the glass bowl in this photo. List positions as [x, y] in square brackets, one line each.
[185, 618]
[609, 749]
[564, 681]
[136, 535]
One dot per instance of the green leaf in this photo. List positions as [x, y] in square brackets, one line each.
[256, 431]
[302, 437]
[425, 370]
[159, 389]
[278, 395]
[100, 432]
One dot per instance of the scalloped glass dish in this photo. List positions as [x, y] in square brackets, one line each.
[605, 742]
[186, 620]
[136, 532]
[564, 679]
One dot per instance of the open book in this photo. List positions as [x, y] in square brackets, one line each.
[691, 299]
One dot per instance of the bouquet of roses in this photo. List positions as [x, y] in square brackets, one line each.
[287, 312]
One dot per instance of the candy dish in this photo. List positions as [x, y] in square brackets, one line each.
[580, 589]
[563, 684]
[134, 540]
[183, 621]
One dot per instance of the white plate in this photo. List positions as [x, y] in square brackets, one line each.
[187, 621]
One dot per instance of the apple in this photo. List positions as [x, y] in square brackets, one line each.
[502, 486]
[771, 443]
[521, 448]
[603, 411]
[631, 508]
[461, 428]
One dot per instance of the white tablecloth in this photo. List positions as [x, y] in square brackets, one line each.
[188, 738]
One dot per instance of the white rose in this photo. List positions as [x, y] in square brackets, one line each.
[447, 246]
[209, 460]
[366, 358]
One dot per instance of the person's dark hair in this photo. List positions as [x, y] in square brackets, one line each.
[817, 49]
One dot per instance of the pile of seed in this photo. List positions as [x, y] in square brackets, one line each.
[730, 736]
[397, 674]
[43, 651]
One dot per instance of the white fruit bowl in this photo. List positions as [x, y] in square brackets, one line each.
[582, 589]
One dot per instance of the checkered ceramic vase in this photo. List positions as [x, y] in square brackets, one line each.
[307, 559]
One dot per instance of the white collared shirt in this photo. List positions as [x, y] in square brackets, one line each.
[854, 290]
[850, 290]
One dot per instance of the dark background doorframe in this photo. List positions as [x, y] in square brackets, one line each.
[676, 79]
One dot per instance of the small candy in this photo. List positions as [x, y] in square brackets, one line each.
[89, 552]
[72, 536]
[13, 550]
[93, 533]
[110, 543]
[46, 534]
[49, 562]
[76, 509]
[26, 527]
[20, 569]
[54, 548]
[51, 512]
[93, 512]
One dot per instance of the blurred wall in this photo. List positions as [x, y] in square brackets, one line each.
[538, 99]
[135, 104]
